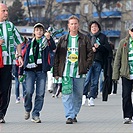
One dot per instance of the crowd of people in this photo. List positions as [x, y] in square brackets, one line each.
[81, 63]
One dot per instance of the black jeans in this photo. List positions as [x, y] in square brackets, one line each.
[115, 87]
[127, 98]
[5, 88]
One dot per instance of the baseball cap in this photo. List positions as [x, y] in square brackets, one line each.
[38, 25]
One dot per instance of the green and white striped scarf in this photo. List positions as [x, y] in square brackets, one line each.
[130, 57]
[31, 63]
[12, 38]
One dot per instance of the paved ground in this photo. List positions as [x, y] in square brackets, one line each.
[104, 117]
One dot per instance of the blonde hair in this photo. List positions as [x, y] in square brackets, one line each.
[73, 17]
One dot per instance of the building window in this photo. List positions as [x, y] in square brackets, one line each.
[86, 9]
[85, 26]
[128, 24]
[77, 9]
[129, 5]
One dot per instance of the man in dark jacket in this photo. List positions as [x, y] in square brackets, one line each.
[73, 58]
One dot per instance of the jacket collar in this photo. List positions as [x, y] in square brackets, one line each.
[79, 34]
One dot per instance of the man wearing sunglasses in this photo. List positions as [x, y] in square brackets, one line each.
[123, 67]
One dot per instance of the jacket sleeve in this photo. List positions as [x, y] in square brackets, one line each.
[105, 44]
[51, 44]
[90, 53]
[56, 60]
[117, 62]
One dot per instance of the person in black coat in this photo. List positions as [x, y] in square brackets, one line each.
[101, 48]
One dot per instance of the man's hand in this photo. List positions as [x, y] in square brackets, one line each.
[56, 77]
[20, 61]
[1, 41]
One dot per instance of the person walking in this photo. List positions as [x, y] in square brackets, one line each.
[18, 73]
[36, 65]
[123, 67]
[16, 70]
[100, 46]
[9, 36]
[73, 57]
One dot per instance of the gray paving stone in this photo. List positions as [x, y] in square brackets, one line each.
[104, 117]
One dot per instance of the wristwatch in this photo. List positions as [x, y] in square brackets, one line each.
[19, 56]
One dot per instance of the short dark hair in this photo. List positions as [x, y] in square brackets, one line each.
[94, 22]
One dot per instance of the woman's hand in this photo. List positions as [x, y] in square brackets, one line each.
[96, 45]
[94, 49]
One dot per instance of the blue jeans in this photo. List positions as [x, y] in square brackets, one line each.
[92, 77]
[72, 102]
[87, 83]
[17, 85]
[96, 70]
[35, 80]
[101, 80]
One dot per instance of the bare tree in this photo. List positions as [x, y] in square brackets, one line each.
[51, 11]
[100, 5]
[29, 12]
[16, 13]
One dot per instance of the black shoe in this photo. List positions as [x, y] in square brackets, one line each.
[69, 121]
[50, 91]
[75, 120]
[2, 120]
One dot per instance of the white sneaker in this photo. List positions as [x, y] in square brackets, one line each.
[17, 100]
[127, 121]
[91, 101]
[83, 99]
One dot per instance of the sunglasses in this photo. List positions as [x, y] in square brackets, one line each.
[131, 30]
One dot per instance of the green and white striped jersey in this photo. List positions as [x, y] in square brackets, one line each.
[130, 57]
[12, 38]
[71, 65]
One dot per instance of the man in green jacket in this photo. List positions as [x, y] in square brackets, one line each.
[123, 67]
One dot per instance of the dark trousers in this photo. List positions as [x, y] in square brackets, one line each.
[127, 98]
[5, 88]
[114, 87]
